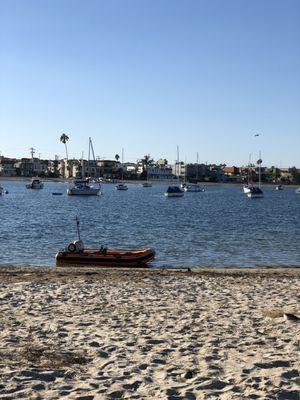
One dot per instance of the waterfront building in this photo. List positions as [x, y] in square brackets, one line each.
[160, 173]
[7, 167]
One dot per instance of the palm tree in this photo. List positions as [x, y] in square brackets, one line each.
[64, 138]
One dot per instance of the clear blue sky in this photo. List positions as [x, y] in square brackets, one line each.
[148, 75]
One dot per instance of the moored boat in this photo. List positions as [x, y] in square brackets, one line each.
[35, 183]
[83, 188]
[194, 187]
[279, 187]
[147, 184]
[255, 193]
[174, 191]
[121, 186]
[3, 191]
[247, 188]
[298, 191]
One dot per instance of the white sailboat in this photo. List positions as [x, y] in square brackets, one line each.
[147, 184]
[35, 183]
[82, 187]
[3, 191]
[193, 187]
[122, 185]
[256, 192]
[249, 185]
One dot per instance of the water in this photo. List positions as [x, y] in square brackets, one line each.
[220, 227]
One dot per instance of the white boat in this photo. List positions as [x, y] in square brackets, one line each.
[255, 193]
[121, 186]
[279, 187]
[174, 191]
[247, 188]
[3, 191]
[298, 191]
[147, 184]
[193, 187]
[83, 188]
[35, 183]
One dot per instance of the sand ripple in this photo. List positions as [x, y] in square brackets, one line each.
[149, 335]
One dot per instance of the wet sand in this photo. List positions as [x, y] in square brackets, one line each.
[149, 334]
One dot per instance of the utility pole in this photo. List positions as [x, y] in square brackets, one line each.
[32, 151]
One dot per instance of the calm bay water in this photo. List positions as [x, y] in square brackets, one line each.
[220, 227]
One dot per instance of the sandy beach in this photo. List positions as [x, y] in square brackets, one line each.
[152, 334]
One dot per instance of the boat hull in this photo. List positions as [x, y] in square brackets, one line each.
[83, 192]
[194, 189]
[247, 189]
[255, 196]
[121, 186]
[112, 258]
[174, 194]
[37, 186]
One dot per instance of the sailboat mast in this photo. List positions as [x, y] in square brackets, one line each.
[259, 170]
[249, 166]
[178, 171]
[89, 156]
[91, 149]
[122, 163]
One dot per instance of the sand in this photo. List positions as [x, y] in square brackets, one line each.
[149, 334]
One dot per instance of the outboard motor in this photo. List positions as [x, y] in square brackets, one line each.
[75, 247]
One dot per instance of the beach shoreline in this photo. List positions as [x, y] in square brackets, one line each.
[149, 333]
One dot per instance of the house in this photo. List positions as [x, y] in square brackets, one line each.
[108, 168]
[160, 173]
[7, 166]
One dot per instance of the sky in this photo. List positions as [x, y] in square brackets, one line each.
[148, 75]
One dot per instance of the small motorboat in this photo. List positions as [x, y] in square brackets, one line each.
[82, 187]
[3, 191]
[191, 187]
[121, 186]
[35, 183]
[57, 193]
[147, 184]
[279, 187]
[75, 254]
[174, 191]
[298, 191]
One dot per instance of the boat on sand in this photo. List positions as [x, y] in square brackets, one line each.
[75, 254]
